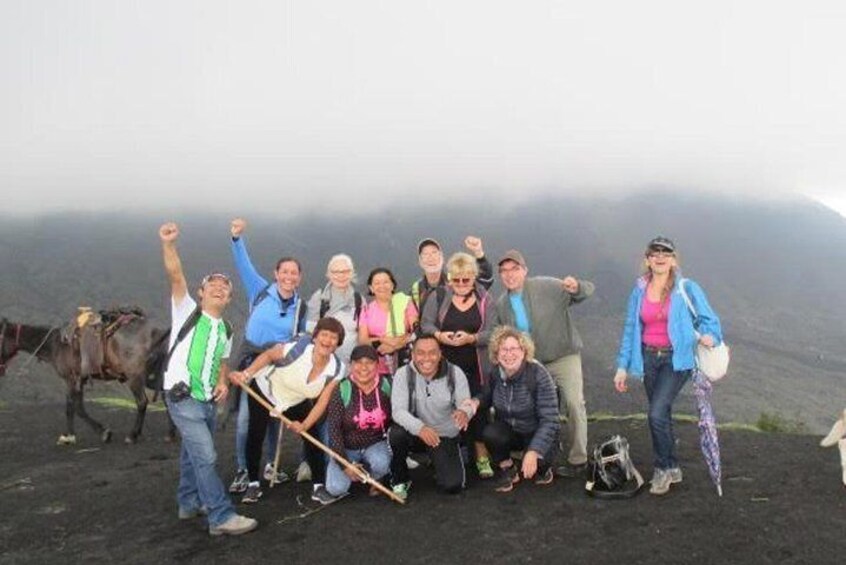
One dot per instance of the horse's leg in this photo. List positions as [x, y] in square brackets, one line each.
[68, 438]
[136, 385]
[104, 432]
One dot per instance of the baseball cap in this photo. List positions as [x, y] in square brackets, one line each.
[364, 352]
[216, 276]
[661, 242]
[512, 255]
[428, 241]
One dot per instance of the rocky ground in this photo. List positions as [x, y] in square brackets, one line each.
[99, 503]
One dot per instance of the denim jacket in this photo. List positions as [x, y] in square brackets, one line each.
[681, 327]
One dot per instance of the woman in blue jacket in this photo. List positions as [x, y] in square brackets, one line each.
[658, 345]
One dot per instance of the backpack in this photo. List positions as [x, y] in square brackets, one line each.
[300, 311]
[159, 357]
[345, 388]
[324, 305]
[297, 351]
[409, 379]
[611, 473]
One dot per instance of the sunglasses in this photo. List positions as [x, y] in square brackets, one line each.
[216, 277]
[461, 280]
[660, 253]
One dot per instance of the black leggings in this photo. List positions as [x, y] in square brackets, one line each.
[501, 440]
[259, 418]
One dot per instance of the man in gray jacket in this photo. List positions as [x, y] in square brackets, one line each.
[540, 307]
[430, 408]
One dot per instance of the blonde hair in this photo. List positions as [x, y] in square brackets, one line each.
[504, 332]
[460, 263]
[671, 280]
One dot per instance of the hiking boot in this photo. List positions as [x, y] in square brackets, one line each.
[279, 477]
[253, 493]
[506, 479]
[483, 466]
[303, 473]
[186, 514]
[544, 478]
[321, 495]
[234, 526]
[661, 481]
[401, 490]
[675, 475]
[570, 471]
[240, 482]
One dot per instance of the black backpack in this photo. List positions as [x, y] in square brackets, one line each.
[159, 356]
[324, 305]
[611, 473]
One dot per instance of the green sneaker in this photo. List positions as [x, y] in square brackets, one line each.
[483, 466]
[401, 490]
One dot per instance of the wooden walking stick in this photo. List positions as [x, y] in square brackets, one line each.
[274, 480]
[363, 475]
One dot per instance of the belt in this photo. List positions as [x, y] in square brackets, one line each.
[659, 351]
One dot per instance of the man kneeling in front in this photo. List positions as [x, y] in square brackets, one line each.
[425, 401]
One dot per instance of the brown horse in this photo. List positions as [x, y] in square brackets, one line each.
[125, 354]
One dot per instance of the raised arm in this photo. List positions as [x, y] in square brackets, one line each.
[251, 279]
[169, 233]
[486, 274]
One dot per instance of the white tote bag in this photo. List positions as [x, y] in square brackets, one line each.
[712, 362]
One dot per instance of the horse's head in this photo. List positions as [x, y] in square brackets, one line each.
[10, 338]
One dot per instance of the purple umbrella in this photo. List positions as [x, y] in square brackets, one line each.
[708, 440]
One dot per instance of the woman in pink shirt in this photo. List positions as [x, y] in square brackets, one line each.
[387, 321]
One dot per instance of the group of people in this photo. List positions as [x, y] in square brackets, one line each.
[447, 369]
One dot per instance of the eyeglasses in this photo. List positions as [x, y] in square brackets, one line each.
[461, 280]
[660, 253]
[340, 271]
[515, 349]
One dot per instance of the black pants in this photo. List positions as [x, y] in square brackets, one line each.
[259, 418]
[501, 440]
[449, 467]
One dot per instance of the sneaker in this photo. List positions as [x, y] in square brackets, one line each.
[279, 477]
[545, 478]
[570, 471]
[506, 479]
[483, 466]
[253, 493]
[234, 526]
[401, 490]
[303, 473]
[240, 482]
[675, 475]
[661, 481]
[321, 495]
[193, 513]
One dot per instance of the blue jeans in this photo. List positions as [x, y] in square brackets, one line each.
[242, 424]
[199, 483]
[663, 385]
[376, 459]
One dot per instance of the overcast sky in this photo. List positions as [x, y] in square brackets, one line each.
[232, 105]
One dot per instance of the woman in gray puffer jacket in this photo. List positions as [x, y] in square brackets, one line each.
[522, 394]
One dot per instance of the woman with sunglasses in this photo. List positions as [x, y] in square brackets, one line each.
[457, 316]
[658, 346]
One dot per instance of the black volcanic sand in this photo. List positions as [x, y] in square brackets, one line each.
[95, 503]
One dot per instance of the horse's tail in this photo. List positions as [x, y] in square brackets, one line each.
[157, 361]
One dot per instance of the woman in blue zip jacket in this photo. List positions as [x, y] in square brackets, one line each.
[658, 345]
[522, 393]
